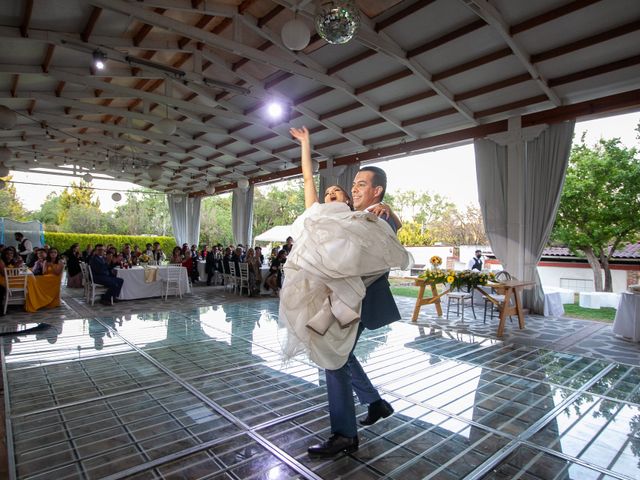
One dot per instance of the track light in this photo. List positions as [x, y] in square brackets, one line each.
[99, 57]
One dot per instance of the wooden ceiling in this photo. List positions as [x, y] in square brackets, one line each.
[419, 74]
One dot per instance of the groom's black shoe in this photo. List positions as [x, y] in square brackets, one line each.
[377, 410]
[336, 444]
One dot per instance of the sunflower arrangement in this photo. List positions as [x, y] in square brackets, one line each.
[466, 279]
[437, 275]
[435, 261]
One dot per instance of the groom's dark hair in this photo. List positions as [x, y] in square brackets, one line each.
[379, 178]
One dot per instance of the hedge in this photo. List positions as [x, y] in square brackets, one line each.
[62, 241]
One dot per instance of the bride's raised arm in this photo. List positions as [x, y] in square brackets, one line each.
[310, 193]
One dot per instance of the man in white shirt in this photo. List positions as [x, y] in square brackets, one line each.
[476, 262]
[25, 247]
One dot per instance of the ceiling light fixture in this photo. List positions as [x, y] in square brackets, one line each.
[275, 109]
[337, 21]
[99, 59]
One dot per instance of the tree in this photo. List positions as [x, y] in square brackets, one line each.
[85, 219]
[459, 227]
[144, 212]
[76, 195]
[10, 205]
[599, 205]
[215, 220]
[49, 212]
[279, 205]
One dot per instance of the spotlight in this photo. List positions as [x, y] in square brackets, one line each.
[99, 57]
[275, 110]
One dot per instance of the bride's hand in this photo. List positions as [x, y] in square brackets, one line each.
[301, 134]
[381, 209]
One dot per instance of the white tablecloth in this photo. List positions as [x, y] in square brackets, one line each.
[627, 322]
[135, 287]
[553, 304]
[599, 299]
[566, 295]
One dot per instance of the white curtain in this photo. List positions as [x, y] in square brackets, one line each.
[519, 199]
[185, 218]
[242, 215]
[342, 176]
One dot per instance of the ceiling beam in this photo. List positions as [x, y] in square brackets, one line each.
[26, 18]
[588, 109]
[91, 23]
[494, 18]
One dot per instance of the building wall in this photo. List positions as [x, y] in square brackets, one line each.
[578, 278]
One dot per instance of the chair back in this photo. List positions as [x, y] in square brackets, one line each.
[232, 269]
[14, 280]
[174, 273]
[502, 276]
[244, 272]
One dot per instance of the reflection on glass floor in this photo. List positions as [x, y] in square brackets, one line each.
[203, 393]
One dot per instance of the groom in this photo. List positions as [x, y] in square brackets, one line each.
[378, 309]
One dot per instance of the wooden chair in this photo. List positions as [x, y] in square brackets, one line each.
[15, 287]
[173, 281]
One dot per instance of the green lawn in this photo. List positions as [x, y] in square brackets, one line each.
[403, 289]
[601, 315]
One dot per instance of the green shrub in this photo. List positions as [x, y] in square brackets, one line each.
[62, 241]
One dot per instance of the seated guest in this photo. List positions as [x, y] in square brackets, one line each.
[204, 252]
[237, 258]
[274, 277]
[259, 255]
[11, 258]
[254, 272]
[158, 254]
[103, 275]
[149, 250]
[74, 273]
[210, 265]
[126, 254]
[226, 259]
[176, 256]
[39, 264]
[185, 250]
[53, 264]
[86, 254]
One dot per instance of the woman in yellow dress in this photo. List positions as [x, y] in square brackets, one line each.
[44, 290]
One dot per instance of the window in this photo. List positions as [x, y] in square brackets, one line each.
[577, 284]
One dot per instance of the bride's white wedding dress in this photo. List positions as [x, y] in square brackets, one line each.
[337, 252]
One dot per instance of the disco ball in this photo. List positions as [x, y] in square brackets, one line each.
[337, 21]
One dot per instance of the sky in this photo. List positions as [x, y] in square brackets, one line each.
[450, 172]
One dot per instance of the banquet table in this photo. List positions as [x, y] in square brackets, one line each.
[43, 291]
[627, 321]
[135, 286]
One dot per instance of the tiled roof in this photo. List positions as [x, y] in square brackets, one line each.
[631, 250]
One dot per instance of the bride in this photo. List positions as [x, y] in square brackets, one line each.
[336, 254]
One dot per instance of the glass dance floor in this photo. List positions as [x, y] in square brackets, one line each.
[202, 393]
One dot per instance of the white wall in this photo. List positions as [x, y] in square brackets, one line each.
[551, 276]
